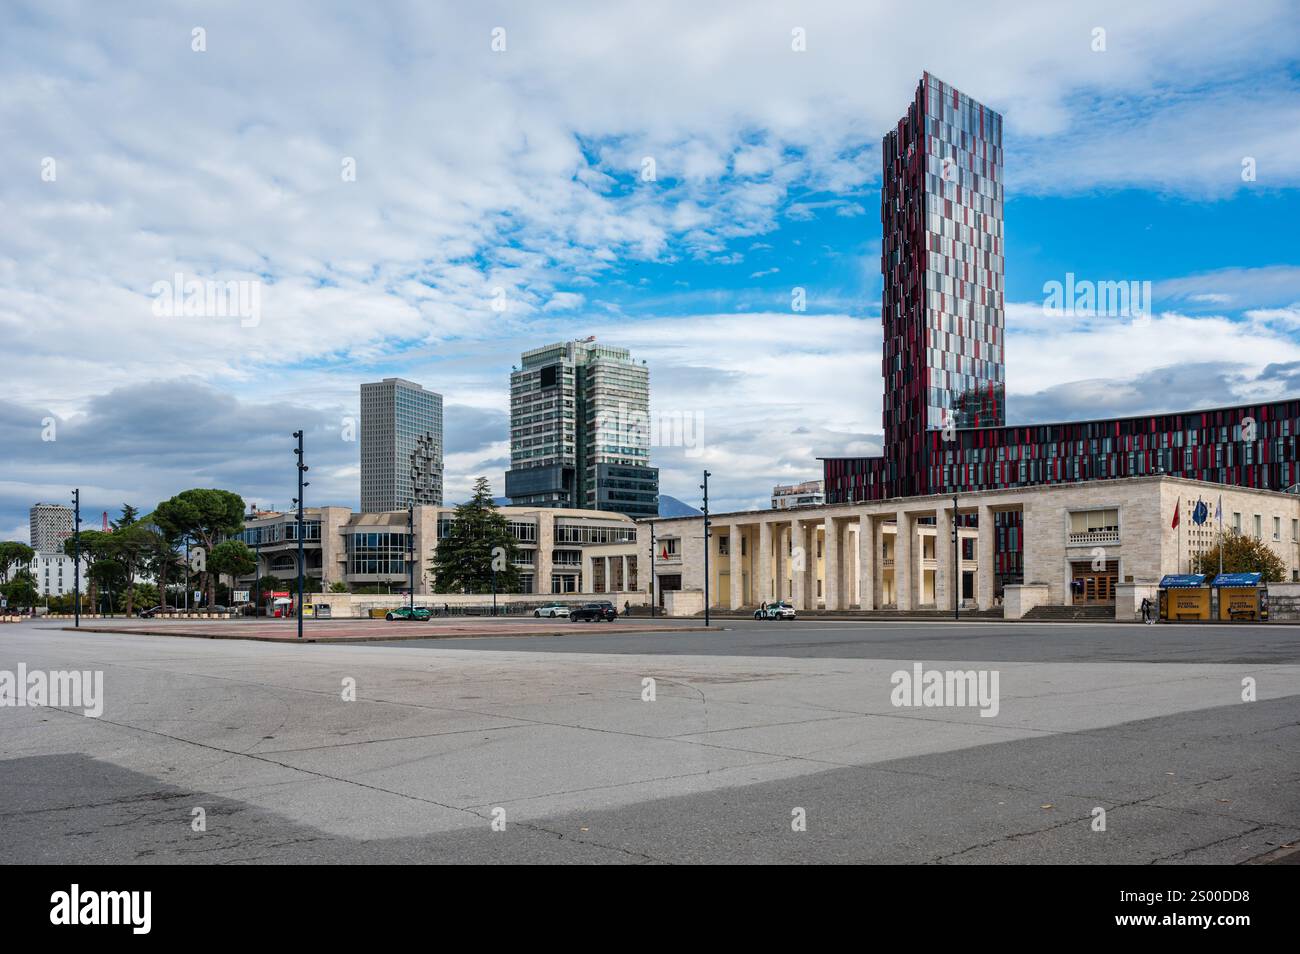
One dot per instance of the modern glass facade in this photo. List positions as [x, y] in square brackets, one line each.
[377, 553]
[942, 263]
[398, 419]
[943, 318]
[579, 431]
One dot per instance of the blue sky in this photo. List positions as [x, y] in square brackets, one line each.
[515, 177]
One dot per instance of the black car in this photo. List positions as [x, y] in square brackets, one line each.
[595, 612]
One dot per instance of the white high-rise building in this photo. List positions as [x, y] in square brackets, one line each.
[51, 524]
[401, 445]
[579, 430]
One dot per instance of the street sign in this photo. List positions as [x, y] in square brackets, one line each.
[198, 595]
[241, 596]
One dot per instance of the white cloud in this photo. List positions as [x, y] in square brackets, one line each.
[520, 171]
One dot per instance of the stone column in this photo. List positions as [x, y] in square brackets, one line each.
[944, 585]
[903, 562]
[715, 574]
[986, 566]
[831, 531]
[782, 564]
[545, 544]
[866, 563]
[736, 566]
[763, 592]
[798, 564]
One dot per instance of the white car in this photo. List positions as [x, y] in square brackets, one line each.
[775, 611]
[552, 610]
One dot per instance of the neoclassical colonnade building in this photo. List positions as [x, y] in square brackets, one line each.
[1062, 513]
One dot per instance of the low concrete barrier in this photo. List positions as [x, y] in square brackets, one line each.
[1020, 598]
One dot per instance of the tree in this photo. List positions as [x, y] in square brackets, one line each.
[21, 591]
[1243, 554]
[103, 572]
[339, 586]
[208, 516]
[478, 541]
[128, 546]
[168, 520]
[14, 554]
[129, 516]
[92, 548]
[233, 558]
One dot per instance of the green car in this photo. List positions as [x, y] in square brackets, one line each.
[420, 613]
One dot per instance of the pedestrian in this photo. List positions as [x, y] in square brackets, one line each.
[446, 609]
[627, 607]
[1146, 609]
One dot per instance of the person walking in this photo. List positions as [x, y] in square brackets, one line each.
[1146, 610]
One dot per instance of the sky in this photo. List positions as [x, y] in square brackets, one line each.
[429, 189]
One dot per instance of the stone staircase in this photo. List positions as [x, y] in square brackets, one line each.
[1091, 614]
[875, 614]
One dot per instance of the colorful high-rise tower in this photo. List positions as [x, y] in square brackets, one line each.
[942, 263]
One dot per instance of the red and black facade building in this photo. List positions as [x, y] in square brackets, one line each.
[943, 361]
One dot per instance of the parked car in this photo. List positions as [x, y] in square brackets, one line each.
[594, 612]
[551, 610]
[419, 614]
[782, 610]
[150, 613]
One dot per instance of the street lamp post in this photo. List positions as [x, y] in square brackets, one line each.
[705, 487]
[302, 469]
[76, 556]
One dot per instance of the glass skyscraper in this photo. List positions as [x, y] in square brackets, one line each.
[579, 430]
[942, 262]
[942, 310]
[400, 418]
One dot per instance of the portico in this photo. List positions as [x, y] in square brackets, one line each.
[915, 553]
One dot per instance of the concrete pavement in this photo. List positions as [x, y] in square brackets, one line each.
[259, 736]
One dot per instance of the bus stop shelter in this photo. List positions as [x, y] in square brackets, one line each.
[1241, 596]
[1184, 596]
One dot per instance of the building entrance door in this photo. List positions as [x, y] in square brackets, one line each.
[1089, 586]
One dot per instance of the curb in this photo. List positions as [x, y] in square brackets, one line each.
[294, 641]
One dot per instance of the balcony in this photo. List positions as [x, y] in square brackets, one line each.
[1092, 538]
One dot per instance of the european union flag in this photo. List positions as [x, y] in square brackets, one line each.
[1201, 512]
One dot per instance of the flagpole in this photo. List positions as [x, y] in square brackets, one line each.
[1220, 534]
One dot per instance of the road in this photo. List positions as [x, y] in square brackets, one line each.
[750, 729]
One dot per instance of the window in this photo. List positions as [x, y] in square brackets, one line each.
[1277, 528]
[1236, 522]
[1094, 521]
[724, 546]
[1259, 527]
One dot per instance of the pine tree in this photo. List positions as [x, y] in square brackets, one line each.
[479, 539]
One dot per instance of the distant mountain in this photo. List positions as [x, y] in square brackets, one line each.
[672, 507]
